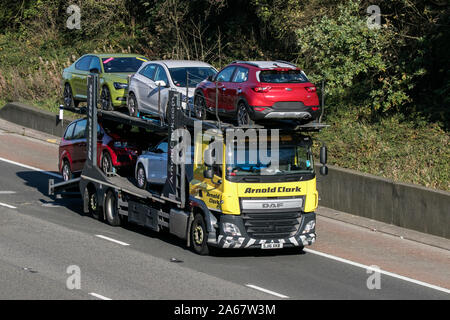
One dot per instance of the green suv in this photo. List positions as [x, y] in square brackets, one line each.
[113, 70]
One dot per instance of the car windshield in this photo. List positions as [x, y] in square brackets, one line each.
[196, 75]
[122, 64]
[281, 76]
[293, 159]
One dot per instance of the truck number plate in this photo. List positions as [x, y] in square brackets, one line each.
[271, 246]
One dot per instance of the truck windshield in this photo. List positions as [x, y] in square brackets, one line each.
[293, 159]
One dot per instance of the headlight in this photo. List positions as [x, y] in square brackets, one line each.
[309, 226]
[119, 85]
[231, 229]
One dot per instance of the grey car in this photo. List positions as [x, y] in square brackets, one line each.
[151, 165]
[162, 76]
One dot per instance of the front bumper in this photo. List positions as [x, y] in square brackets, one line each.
[300, 239]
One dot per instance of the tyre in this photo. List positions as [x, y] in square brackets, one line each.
[242, 115]
[111, 211]
[69, 101]
[91, 195]
[107, 165]
[65, 171]
[200, 106]
[141, 177]
[132, 105]
[199, 235]
[105, 99]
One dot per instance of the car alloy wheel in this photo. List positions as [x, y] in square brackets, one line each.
[66, 174]
[132, 105]
[106, 163]
[105, 98]
[140, 177]
[68, 98]
[243, 117]
[200, 106]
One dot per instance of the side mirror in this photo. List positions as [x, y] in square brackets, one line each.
[208, 174]
[324, 170]
[323, 155]
[161, 83]
[210, 78]
[94, 70]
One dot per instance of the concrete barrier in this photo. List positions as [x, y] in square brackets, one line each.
[33, 118]
[401, 204]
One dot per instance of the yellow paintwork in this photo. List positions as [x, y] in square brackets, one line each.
[224, 196]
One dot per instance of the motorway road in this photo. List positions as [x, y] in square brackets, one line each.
[41, 237]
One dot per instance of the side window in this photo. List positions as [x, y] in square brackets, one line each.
[161, 75]
[162, 146]
[225, 74]
[95, 64]
[69, 131]
[80, 130]
[241, 75]
[150, 71]
[84, 63]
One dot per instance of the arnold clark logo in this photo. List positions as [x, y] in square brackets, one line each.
[273, 189]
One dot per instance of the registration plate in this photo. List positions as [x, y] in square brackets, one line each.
[271, 246]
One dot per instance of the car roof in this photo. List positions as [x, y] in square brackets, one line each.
[181, 63]
[268, 64]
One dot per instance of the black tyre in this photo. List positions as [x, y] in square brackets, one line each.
[65, 171]
[199, 235]
[200, 106]
[69, 101]
[141, 177]
[242, 115]
[111, 211]
[132, 105]
[105, 99]
[92, 199]
[107, 165]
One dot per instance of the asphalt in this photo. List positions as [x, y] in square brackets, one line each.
[41, 237]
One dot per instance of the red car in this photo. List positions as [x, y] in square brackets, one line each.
[113, 150]
[257, 90]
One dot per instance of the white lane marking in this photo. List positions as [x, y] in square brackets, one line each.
[99, 296]
[7, 205]
[30, 167]
[113, 240]
[266, 291]
[7, 192]
[394, 275]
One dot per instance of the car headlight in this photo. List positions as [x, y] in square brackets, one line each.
[231, 229]
[119, 85]
[309, 226]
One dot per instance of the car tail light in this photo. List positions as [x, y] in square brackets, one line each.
[315, 108]
[262, 89]
[311, 89]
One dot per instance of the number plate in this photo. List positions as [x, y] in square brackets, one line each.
[271, 246]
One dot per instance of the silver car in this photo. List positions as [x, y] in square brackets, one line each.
[166, 75]
[151, 165]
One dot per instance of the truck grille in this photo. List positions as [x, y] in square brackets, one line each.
[273, 225]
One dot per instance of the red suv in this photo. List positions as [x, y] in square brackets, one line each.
[257, 90]
[113, 150]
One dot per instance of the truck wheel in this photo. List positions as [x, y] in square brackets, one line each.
[199, 235]
[111, 211]
[91, 195]
[141, 177]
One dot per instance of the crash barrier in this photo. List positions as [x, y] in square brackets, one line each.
[401, 204]
[34, 118]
